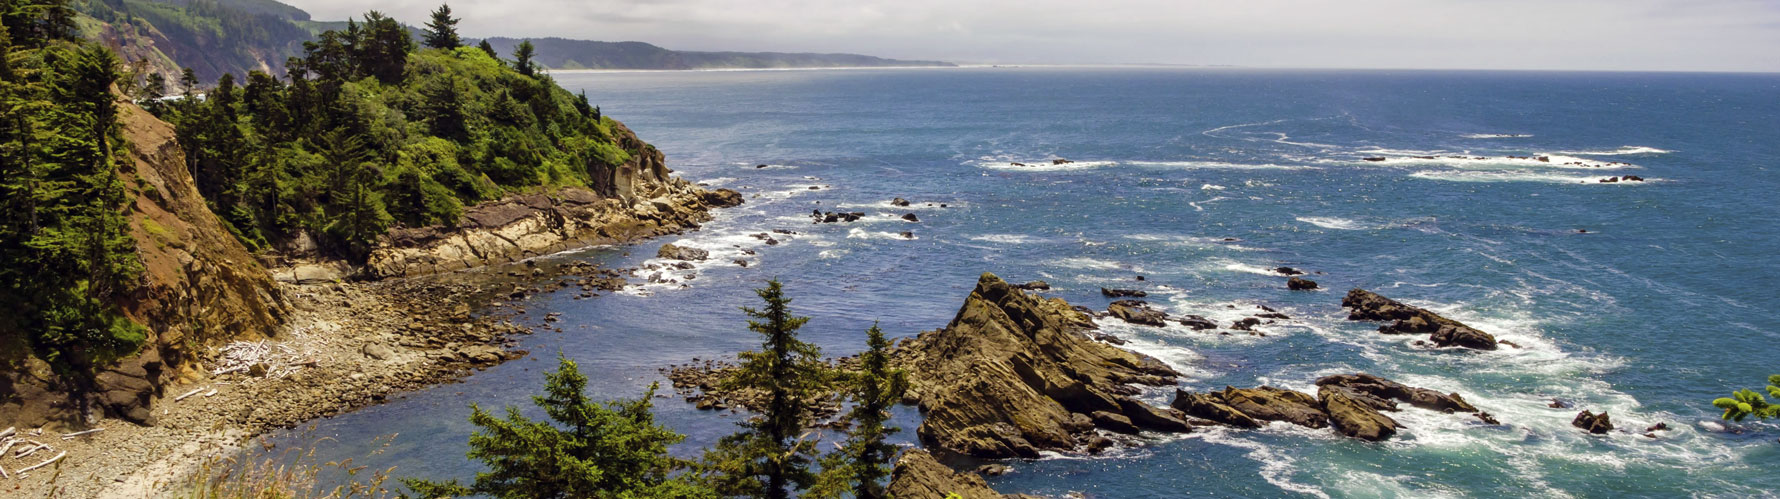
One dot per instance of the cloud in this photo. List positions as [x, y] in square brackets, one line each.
[1717, 35]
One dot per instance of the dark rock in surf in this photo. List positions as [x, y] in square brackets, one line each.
[911, 217]
[1288, 271]
[671, 252]
[1246, 324]
[1033, 286]
[1369, 306]
[1198, 323]
[899, 202]
[1122, 293]
[1300, 284]
[1598, 424]
[1137, 312]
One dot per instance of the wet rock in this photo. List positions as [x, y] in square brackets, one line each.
[1122, 293]
[1267, 403]
[1658, 427]
[1387, 389]
[1487, 418]
[1061, 161]
[1288, 271]
[1407, 319]
[1014, 374]
[908, 234]
[1137, 312]
[740, 263]
[1300, 284]
[671, 252]
[1198, 323]
[911, 217]
[1113, 422]
[723, 198]
[1373, 158]
[1598, 424]
[899, 202]
[994, 469]
[1558, 404]
[1211, 406]
[1354, 418]
[1246, 324]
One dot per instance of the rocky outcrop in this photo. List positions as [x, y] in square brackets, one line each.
[199, 287]
[1300, 284]
[1014, 374]
[919, 476]
[1354, 404]
[1122, 293]
[635, 200]
[1598, 424]
[672, 252]
[1137, 312]
[1407, 319]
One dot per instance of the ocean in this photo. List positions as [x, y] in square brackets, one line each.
[1423, 186]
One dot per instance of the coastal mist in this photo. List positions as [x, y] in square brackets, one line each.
[1617, 229]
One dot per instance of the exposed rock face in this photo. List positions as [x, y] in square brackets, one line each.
[1593, 423]
[918, 476]
[1300, 284]
[200, 286]
[1407, 319]
[1137, 312]
[1353, 403]
[1014, 374]
[638, 199]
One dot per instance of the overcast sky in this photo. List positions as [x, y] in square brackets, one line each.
[1682, 35]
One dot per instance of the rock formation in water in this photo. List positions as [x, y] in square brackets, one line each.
[1407, 319]
[1014, 374]
[1354, 404]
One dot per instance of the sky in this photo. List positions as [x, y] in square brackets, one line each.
[1658, 35]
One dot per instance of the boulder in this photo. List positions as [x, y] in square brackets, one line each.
[1113, 422]
[1014, 374]
[1593, 423]
[722, 198]
[671, 252]
[1288, 271]
[1300, 284]
[1407, 319]
[899, 202]
[1210, 406]
[911, 217]
[1137, 312]
[1246, 324]
[1198, 323]
[1354, 418]
[1122, 293]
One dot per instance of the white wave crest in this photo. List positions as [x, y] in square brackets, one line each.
[1217, 165]
[1005, 238]
[1497, 135]
[858, 233]
[1622, 151]
[1516, 176]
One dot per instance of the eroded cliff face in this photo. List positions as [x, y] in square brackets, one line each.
[199, 287]
[639, 199]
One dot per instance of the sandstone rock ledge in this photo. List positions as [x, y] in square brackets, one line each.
[1369, 306]
[1014, 374]
[919, 476]
[527, 226]
[1354, 404]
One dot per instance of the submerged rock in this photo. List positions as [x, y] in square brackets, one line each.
[1122, 293]
[1408, 319]
[1014, 374]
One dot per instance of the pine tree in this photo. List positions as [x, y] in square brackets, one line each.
[588, 449]
[488, 49]
[772, 453]
[522, 58]
[382, 47]
[441, 32]
[1746, 403]
[864, 461]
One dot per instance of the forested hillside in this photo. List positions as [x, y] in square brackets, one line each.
[211, 37]
[561, 53]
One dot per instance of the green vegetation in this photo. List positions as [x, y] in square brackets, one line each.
[212, 37]
[770, 454]
[441, 32]
[66, 255]
[1746, 403]
[616, 450]
[594, 450]
[366, 132]
[863, 462]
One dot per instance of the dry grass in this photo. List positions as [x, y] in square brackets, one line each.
[282, 477]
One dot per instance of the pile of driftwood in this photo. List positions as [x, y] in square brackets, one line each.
[16, 446]
[264, 358]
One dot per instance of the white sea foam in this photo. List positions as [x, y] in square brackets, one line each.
[1517, 176]
[1475, 161]
[1084, 263]
[1337, 223]
[833, 253]
[717, 182]
[1276, 468]
[858, 233]
[1497, 135]
[913, 205]
[1005, 238]
[1622, 151]
[1217, 165]
[1018, 164]
[1211, 187]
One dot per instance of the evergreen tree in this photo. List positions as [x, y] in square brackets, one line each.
[488, 49]
[522, 58]
[587, 449]
[772, 454]
[864, 461]
[1746, 403]
[441, 31]
[382, 47]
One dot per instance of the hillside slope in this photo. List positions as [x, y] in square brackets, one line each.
[561, 53]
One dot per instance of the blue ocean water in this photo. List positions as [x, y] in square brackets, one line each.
[1200, 180]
